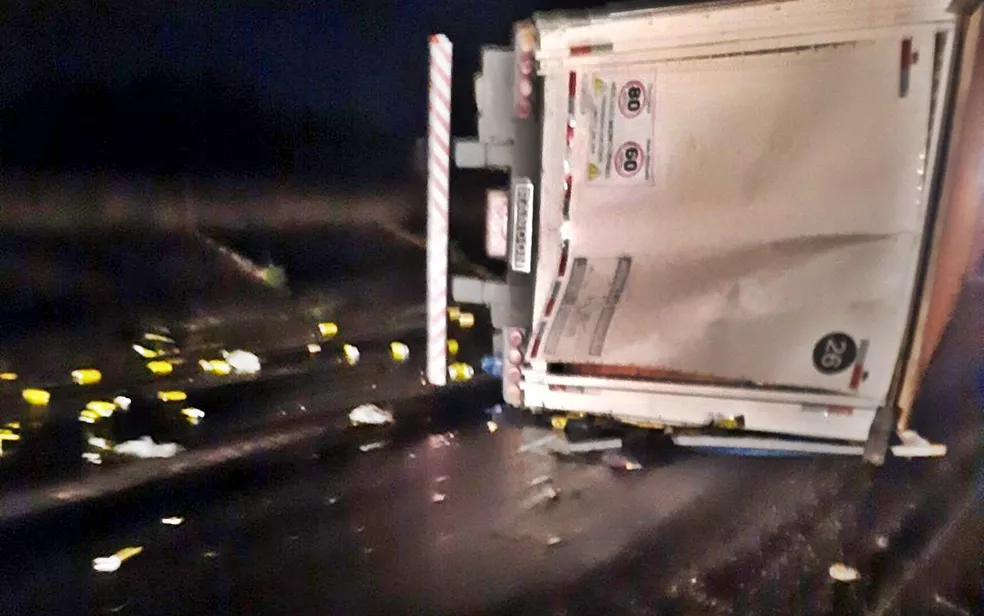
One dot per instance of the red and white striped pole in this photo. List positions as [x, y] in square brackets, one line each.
[438, 176]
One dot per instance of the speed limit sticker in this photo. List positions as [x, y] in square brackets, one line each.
[621, 130]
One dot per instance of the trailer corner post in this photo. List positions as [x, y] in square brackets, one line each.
[438, 183]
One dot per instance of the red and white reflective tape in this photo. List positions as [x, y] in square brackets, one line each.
[438, 182]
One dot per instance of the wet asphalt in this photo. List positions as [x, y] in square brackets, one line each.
[285, 508]
[437, 514]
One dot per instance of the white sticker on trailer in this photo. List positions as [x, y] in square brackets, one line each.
[591, 297]
[521, 257]
[621, 133]
[496, 223]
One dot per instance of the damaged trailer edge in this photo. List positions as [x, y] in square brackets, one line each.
[744, 223]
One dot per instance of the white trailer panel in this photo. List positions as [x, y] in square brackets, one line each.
[767, 201]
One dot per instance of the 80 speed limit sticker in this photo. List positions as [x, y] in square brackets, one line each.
[621, 130]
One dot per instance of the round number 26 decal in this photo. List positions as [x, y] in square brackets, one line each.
[834, 353]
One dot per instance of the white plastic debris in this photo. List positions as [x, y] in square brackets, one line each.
[145, 447]
[437, 441]
[92, 458]
[372, 446]
[242, 362]
[840, 572]
[109, 564]
[98, 442]
[617, 459]
[106, 564]
[541, 491]
[122, 402]
[554, 540]
[915, 446]
[370, 414]
[173, 520]
[438, 497]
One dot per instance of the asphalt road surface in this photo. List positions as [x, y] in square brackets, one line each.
[437, 514]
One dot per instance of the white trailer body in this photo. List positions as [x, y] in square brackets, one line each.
[721, 214]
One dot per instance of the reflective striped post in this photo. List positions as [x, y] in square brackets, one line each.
[438, 176]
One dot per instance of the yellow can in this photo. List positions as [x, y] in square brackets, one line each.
[160, 367]
[328, 329]
[466, 320]
[399, 351]
[351, 354]
[172, 396]
[459, 372]
[36, 397]
[452, 347]
[101, 407]
[86, 376]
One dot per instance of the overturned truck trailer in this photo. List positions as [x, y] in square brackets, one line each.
[741, 222]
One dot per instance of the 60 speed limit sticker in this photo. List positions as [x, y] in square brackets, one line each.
[621, 130]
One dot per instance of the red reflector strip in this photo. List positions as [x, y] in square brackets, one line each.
[840, 410]
[905, 64]
[906, 58]
[587, 50]
[858, 374]
[564, 252]
[550, 305]
[571, 85]
[535, 349]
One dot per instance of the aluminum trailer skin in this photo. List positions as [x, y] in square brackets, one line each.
[744, 223]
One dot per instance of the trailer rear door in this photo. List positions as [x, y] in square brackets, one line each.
[755, 216]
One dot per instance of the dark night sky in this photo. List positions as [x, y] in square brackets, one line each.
[320, 55]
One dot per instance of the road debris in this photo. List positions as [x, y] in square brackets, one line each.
[436, 441]
[174, 520]
[541, 491]
[193, 415]
[351, 354]
[553, 540]
[243, 362]
[438, 497]
[370, 414]
[399, 351]
[840, 572]
[109, 564]
[145, 447]
[372, 446]
[621, 460]
[546, 442]
[36, 397]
